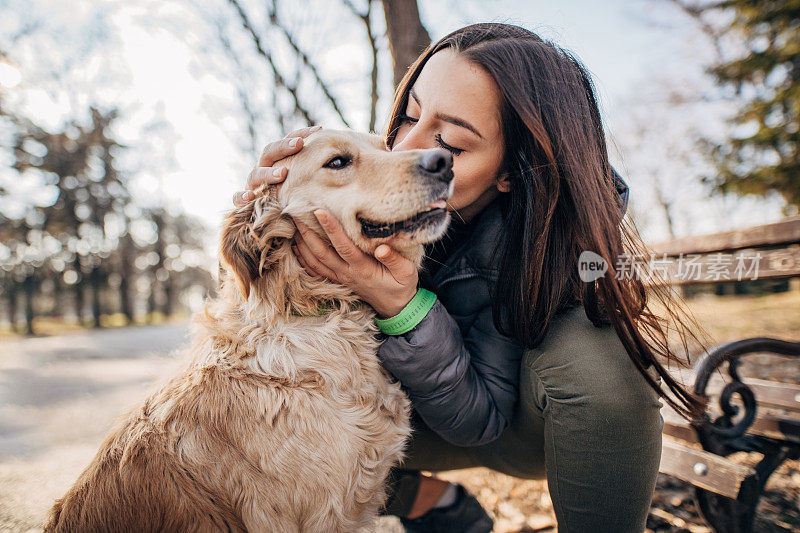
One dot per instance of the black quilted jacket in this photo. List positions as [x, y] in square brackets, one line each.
[461, 374]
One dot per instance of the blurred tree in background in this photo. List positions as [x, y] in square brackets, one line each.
[758, 44]
[73, 252]
[76, 255]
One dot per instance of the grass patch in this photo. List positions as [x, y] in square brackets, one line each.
[47, 326]
[728, 318]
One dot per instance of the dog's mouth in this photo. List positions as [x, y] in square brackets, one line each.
[377, 230]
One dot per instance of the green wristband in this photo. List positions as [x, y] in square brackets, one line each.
[411, 315]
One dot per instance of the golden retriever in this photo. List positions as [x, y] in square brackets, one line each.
[282, 419]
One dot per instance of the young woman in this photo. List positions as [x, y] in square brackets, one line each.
[513, 362]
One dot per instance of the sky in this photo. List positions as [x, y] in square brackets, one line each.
[630, 46]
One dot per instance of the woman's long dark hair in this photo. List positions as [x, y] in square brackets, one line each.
[562, 201]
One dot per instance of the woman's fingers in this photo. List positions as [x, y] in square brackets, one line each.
[345, 247]
[401, 269]
[319, 249]
[304, 132]
[310, 263]
[265, 172]
[291, 144]
[261, 175]
[240, 198]
[310, 271]
[275, 151]
[258, 177]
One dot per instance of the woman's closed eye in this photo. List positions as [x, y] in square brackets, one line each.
[452, 149]
[406, 119]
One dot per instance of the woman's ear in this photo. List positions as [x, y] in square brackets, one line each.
[503, 182]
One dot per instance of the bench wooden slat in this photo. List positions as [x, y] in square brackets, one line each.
[721, 476]
[784, 231]
[725, 267]
[776, 427]
[766, 425]
[678, 428]
[772, 394]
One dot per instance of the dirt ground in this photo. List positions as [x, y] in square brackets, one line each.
[59, 394]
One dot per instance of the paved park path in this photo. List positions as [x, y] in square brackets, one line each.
[58, 398]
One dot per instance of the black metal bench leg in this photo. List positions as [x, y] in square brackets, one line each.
[728, 434]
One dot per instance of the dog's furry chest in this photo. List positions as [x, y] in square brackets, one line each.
[312, 404]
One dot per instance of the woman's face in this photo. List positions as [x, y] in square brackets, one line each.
[454, 104]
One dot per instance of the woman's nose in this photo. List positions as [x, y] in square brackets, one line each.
[413, 139]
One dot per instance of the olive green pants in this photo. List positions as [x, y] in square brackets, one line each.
[586, 420]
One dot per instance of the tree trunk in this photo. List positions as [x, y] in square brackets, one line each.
[407, 36]
[94, 279]
[77, 289]
[152, 298]
[29, 285]
[58, 295]
[126, 278]
[666, 206]
[169, 296]
[125, 300]
[11, 303]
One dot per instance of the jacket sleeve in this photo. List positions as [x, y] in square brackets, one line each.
[464, 388]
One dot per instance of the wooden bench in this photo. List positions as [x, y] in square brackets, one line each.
[771, 251]
[767, 421]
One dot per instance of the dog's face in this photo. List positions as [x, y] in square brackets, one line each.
[377, 196]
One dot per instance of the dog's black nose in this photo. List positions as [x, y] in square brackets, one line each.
[437, 163]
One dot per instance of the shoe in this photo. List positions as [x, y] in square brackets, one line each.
[465, 515]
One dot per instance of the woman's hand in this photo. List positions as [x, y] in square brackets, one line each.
[265, 171]
[387, 284]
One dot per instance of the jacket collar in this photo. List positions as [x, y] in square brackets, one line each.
[475, 257]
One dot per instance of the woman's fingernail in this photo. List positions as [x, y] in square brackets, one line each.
[277, 172]
[321, 216]
[293, 142]
[315, 128]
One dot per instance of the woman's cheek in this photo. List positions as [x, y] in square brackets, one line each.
[462, 189]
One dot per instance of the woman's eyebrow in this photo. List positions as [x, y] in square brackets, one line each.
[448, 118]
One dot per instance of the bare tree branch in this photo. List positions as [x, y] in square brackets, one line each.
[354, 9]
[366, 18]
[279, 79]
[28, 27]
[273, 18]
[282, 118]
[666, 206]
[244, 96]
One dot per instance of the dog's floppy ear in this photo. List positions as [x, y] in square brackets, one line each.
[238, 253]
[252, 238]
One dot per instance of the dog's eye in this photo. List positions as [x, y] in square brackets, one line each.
[338, 162]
